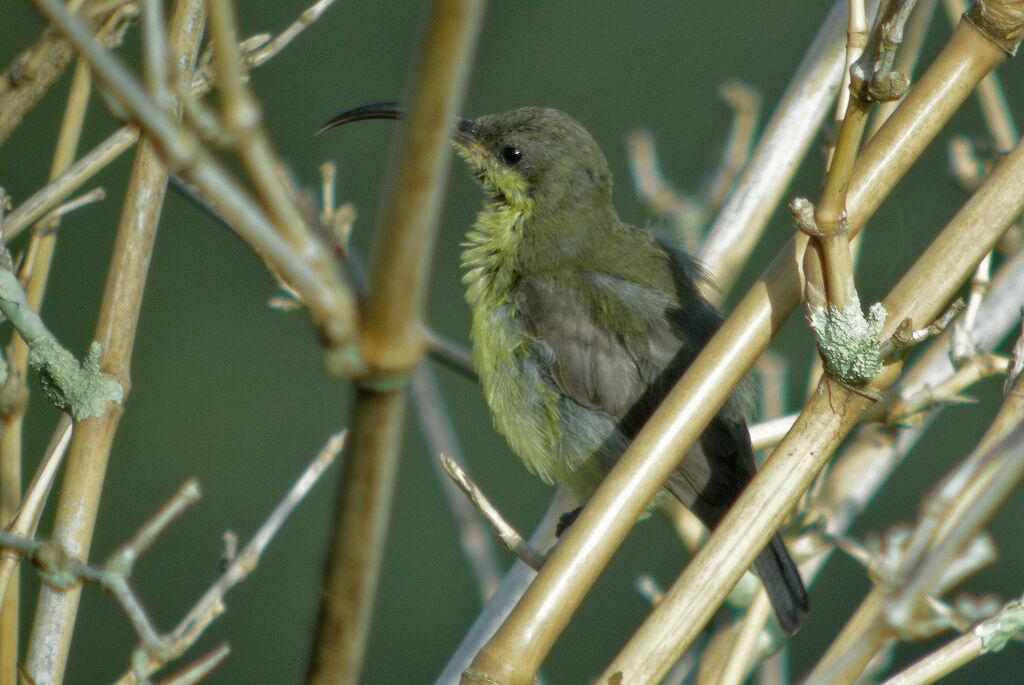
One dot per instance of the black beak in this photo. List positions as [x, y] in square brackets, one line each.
[380, 110]
[464, 133]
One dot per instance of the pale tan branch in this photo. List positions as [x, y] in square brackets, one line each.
[506, 533]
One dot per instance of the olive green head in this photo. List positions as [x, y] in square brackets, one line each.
[535, 157]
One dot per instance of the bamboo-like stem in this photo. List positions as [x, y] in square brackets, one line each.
[768, 433]
[740, 660]
[356, 546]
[996, 112]
[518, 647]
[868, 460]
[994, 108]
[788, 133]
[940, 662]
[115, 330]
[391, 339]
[906, 60]
[745, 649]
[829, 217]
[919, 295]
[512, 587]
[241, 117]
[876, 451]
[65, 184]
[834, 239]
[38, 269]
[391, 342]
[752, 519]
[840, 325]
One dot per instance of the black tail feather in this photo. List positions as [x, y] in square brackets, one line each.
[783, 584]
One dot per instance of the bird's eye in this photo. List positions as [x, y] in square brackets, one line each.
[511, 155]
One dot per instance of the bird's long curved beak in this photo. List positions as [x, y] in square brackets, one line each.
[464, 133]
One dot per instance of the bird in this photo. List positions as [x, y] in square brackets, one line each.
[582, 323]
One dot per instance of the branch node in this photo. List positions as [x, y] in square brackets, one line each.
[802, 210]
[82, 390]
[1000, 22]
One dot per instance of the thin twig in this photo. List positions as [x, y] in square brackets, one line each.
[789, 132]
[26, 518]
[49, 221]
[32, 74]
[211, 604]
[61, 187]
[330, 302]
[125, 556]
[988, 636]
[65, 184]
[63, 572]
[506, 533]
[197, 671]
[272, 47]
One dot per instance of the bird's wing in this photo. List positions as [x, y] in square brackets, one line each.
[626, 363]
[609, 342]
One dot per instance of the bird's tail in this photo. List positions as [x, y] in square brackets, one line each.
[783, 584]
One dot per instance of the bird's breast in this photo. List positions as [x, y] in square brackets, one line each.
[523, 403]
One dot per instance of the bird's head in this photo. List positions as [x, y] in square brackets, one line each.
[530, 160]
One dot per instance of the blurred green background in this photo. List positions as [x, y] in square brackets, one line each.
[232, 392]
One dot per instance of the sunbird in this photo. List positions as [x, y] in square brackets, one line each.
[582, 323]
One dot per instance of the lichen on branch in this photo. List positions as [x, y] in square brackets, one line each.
[80, 389]
[848, 341]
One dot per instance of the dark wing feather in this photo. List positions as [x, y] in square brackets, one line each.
[609, 340]
[624, 366]
[618, 347]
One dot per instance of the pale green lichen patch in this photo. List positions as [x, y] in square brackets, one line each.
[79, 389]
[999, 629]
[848, 341]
